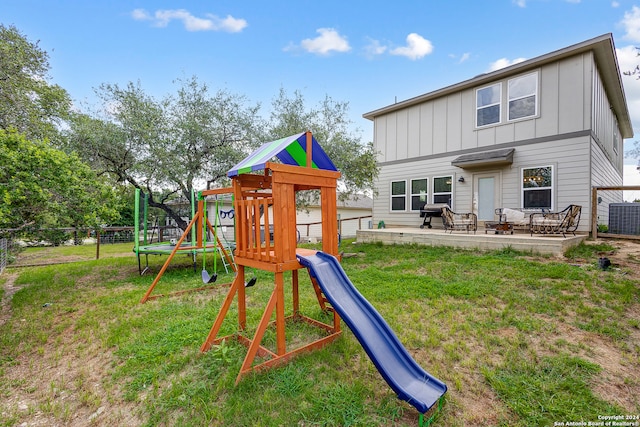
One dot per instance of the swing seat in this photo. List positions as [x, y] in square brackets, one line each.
[208, 279]
[251, 282]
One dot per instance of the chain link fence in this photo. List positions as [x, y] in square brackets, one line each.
[4, 253]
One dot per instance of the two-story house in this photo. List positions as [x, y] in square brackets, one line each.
[537, 134]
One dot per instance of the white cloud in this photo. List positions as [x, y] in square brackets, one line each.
[615, 4]
[374, 48]
[464, 57]
[162, 18]
[504, 62]
[631, 24]
[328, 41]
[417, 47]
[520, 3]
[140, 15]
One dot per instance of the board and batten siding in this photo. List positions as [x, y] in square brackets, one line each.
[447, 124]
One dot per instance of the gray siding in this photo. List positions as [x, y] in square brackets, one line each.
[605, 125]
[569, 158]
[447, 124]
[604, 175]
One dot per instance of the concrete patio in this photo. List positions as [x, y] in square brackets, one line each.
[543, 244]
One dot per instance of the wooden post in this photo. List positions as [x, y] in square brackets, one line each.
[97, 243]
[242, 298]
[309, 149]
[280, 331]
[296, 297]
[329, 224]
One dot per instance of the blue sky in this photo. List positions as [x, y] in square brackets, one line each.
[368, 53]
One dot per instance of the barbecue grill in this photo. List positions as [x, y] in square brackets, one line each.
[431, 210]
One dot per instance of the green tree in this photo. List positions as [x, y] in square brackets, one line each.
[28, 102]
[190, 139]
[43, 187]
[167, 147]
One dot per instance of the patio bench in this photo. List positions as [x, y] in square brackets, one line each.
[565, 221]
[459, 221]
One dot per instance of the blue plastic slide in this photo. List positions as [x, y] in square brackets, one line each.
[407, 379]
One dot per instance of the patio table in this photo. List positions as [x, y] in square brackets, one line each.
[498, 226]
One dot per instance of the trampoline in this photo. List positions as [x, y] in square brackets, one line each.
[165, 248]
[187, 247]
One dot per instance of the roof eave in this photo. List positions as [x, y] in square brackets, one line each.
[603, 48]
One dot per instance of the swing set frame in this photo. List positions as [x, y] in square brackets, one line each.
[198, 222]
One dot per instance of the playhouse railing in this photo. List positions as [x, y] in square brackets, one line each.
[254, 239]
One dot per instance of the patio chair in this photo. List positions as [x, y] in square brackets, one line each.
[459, 221]
[565, 221]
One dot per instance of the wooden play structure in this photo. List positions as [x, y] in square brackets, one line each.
[199, 245]
[265, 207]
[264, 194]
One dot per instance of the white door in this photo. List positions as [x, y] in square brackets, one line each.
[486, 195]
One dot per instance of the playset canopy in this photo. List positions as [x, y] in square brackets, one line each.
[292, 150]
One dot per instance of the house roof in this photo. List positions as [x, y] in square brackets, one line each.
[359, 201]
[605, 57]
[291, 150]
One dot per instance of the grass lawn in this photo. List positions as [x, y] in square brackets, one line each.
[520, 340]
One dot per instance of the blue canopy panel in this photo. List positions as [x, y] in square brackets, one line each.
[291, 150]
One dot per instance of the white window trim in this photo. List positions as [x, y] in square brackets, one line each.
[552, 188]
[392, 196]
[411, 194]
[537, 95]
[499, 104]
[434, 193]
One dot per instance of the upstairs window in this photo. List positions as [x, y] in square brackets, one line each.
[537, 187]
[523, 96]
[442, 190]
[398, 196]
[488, 105]
[419, 193]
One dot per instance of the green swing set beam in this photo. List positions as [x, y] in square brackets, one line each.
[206, 278]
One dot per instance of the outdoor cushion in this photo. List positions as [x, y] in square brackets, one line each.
[513, 215]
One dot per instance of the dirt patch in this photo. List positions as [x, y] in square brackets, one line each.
[625, 257]
[66, 381]
[9, 289]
